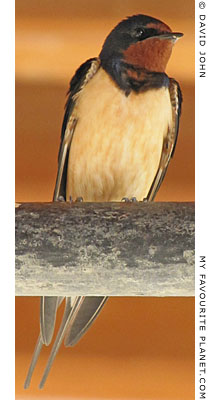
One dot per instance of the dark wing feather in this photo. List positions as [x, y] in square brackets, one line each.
[176, 102]
[82, 76]
[170, 141]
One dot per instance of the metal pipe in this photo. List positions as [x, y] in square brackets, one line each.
[112, 249]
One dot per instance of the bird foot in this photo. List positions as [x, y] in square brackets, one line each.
[78, 200]
[131, 200]
[60, 199]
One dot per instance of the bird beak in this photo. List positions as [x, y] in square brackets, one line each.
[173, 36]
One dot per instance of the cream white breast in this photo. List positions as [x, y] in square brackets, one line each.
[117, 143]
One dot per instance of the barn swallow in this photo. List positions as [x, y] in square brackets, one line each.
[118, 135]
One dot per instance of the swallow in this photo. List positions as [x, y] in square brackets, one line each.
[118, 135]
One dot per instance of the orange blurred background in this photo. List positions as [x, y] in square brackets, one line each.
[140, 348]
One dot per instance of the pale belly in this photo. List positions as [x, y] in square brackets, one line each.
[117, 143]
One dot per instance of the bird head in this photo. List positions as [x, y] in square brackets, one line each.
[142, 41]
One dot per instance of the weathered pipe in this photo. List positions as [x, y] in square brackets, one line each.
[113, 249]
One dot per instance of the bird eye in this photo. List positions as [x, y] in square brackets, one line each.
[139, 32]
